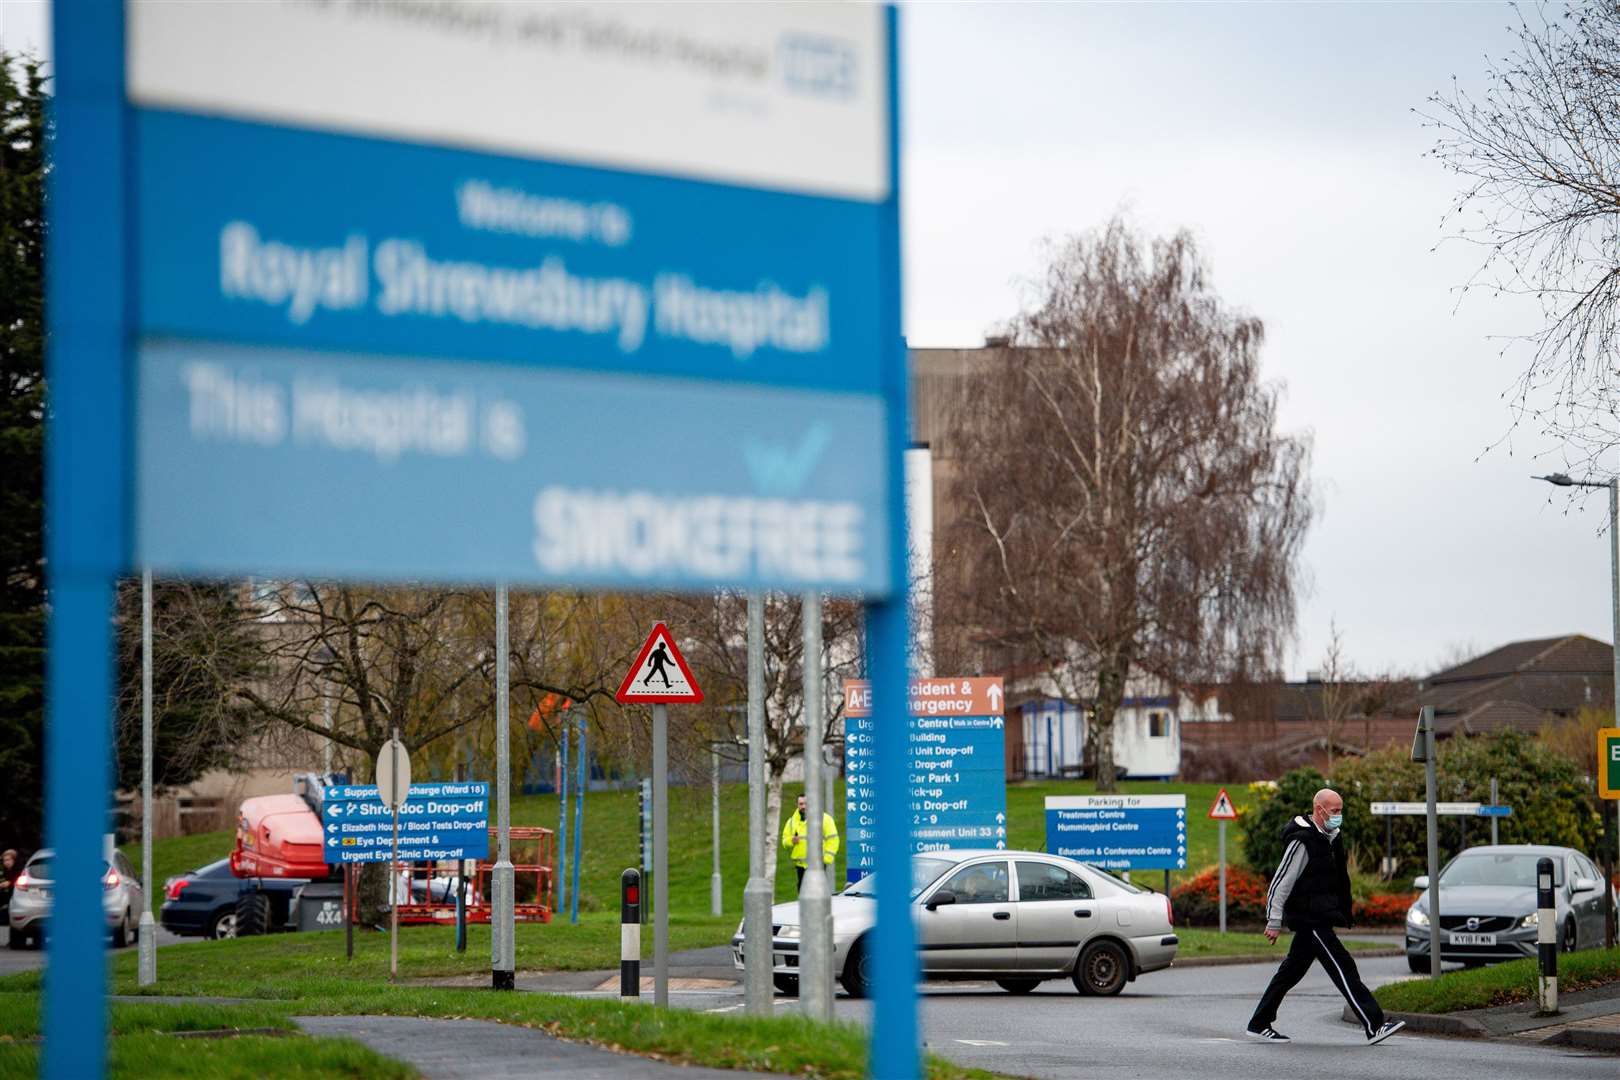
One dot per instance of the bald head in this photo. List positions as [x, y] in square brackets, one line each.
[1326, 804]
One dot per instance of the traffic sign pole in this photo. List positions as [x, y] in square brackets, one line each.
[393, 877]
[815, 896]
[757, 893]
[579, 818]
[503, 953]
[148, 959]
[660, 714]
[1426, 736]
[1222, 825]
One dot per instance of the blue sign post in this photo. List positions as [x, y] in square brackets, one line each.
[437, 821]
[1119, 832]
[402, 317]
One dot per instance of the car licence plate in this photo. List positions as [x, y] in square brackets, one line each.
[1473, 939]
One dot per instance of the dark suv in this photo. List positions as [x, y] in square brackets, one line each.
[203, 902]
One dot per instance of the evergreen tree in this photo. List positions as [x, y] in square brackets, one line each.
[22, 439]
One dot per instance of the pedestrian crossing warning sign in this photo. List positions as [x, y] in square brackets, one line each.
[1223, 810]
[660, 673]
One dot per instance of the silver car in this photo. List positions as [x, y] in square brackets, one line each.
[122, 900]
[1488, 905]
[1013, 917]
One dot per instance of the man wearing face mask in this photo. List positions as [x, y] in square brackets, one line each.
[1310, 894]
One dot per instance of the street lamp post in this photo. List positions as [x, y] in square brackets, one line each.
[1563, 480]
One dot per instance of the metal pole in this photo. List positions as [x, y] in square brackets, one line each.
[579, 817]
[148, 931]
[503, 951]
[660, 855]
[562, 825]
[716, 889]
[757, 894]
[1426, 720]
[827, 804]
[348, 911]
[1614, 596]
[815, 897]
[1494, 819]
[393, 873]
[1222, 824]
[326, 751]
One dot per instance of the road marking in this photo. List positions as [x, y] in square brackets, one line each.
[726, 1008]
[980, 1042]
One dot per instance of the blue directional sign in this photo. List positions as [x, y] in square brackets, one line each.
[956, 769]
[437, 821]
[1119, 832]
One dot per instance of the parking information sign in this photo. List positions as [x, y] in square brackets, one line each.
[956, 777]
[436, 821]
[1609, 763]
[1119, 832]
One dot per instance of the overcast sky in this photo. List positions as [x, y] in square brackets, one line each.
[1283, 136]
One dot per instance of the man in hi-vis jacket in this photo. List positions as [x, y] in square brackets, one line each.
[1310, 894]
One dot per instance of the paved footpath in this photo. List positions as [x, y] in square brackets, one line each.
[483, 1050]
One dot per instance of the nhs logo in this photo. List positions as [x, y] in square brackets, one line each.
[817, 66]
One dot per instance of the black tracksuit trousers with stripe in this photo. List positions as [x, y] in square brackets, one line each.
[1318, 943]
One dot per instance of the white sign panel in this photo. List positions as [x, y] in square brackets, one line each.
[791, 97]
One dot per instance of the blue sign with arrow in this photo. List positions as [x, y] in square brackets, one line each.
[437, 821]
[1119, 832]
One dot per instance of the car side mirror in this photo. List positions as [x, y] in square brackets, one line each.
[944, 896]
[1420, 882]
[1584, 884]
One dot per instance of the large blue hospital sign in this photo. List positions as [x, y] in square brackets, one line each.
[1119, 832]
[408, 309]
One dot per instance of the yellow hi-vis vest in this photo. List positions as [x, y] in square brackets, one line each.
[796, 831]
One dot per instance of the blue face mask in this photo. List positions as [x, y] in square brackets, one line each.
[1335, 820]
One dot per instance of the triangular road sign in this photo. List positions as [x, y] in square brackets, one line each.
[660, 673]
[1223, 810]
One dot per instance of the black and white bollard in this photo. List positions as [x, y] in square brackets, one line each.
[630, 935]
[1546, 938]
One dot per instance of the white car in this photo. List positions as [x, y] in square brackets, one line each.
[1014, 917]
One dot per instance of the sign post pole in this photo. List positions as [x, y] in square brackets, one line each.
[562, 825]
[815, 896]
[1222, 811]
[660, 810]
[148, 932]
[1494, 802]
[1426, 736]
[503, 958]
[658, 677]
[716, 889]
[1223, 874]
[579, 818]
[757, 893]
[393, 876]
[1608, 774]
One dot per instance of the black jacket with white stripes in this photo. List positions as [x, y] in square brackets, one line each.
[1312, 884]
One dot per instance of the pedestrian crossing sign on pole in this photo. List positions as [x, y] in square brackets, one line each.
[1223, 810]
[660, 674]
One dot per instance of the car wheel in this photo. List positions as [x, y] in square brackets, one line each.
[1417, 965]
[223, 924]
[120, 935]
[252, 914]
[16, 939]
[857, 977]
[1102, 970]
[786, 985]
[1018, 986]
[1570, 938]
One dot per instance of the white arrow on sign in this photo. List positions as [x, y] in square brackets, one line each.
[1000, 818]
[1002, 844]
[334, 811]
[332, 843]
[1183, 851]
[994, 693]
[1003, 832]
[331, 828]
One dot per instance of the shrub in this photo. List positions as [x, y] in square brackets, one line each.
[1383, 909]
[1270, 809]
[1197, 901]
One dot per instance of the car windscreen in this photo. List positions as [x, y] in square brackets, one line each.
[923, 872]
[1516, 869]
[41, 869]
[219, 868]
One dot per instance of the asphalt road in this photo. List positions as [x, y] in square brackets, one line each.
[1189, 1022]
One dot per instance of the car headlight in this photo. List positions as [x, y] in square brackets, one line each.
[1416, 916]
[1530, 920]
[788, 932]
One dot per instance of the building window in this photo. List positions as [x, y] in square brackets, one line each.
[1158, 725]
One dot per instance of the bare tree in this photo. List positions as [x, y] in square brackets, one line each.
[1133, 507]
[1539, 154]
[1337, 699]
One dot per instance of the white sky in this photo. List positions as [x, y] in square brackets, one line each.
[1283, 136]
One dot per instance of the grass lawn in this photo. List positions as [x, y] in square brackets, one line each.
[1197, 942]
[307, 974]
[1498, 984]
[612, 839]
[142, 1045]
